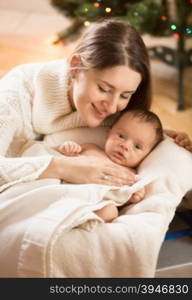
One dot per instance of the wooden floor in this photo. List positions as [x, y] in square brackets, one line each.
[25, 36]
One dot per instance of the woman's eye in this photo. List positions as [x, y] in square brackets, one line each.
[102, 89]
[126, 97]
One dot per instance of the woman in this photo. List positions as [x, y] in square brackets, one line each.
[107, 73]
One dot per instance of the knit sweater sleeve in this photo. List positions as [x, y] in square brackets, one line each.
[15, 169]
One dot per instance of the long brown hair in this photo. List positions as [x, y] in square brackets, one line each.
[110, 43]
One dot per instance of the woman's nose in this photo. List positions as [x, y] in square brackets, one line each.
[112, 105]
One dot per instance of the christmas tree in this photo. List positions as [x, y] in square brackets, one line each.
[156, 17]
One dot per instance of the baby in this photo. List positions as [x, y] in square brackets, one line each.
[131, 138]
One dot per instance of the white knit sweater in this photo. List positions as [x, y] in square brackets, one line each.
[33, 102]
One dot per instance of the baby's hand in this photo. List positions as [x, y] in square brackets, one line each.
[69, 148]
[138, 196]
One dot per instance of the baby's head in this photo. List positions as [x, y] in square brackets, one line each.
[133, 136]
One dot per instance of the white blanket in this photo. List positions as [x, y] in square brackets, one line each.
[49, 229]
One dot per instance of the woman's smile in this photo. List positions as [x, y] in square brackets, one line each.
[98, 113]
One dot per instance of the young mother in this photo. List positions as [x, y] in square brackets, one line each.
[107, 73]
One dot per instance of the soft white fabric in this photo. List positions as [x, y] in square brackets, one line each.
[39, 224]
[134, 239]
[33, 213]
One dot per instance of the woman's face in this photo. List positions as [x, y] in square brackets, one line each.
[97, 94]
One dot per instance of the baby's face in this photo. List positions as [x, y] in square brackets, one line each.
[130, 140]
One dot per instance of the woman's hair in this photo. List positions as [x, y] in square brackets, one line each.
[111, 43]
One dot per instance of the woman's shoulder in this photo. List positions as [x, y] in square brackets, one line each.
[29, 73]
[39, 67]
[52, 71]
[53, 66]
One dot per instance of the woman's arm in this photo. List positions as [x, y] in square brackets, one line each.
[16, 169]
[13, 124]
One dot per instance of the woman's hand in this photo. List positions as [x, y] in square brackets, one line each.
[87, 169]
[180, 138]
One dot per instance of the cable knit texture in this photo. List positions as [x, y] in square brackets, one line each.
[33, 102]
